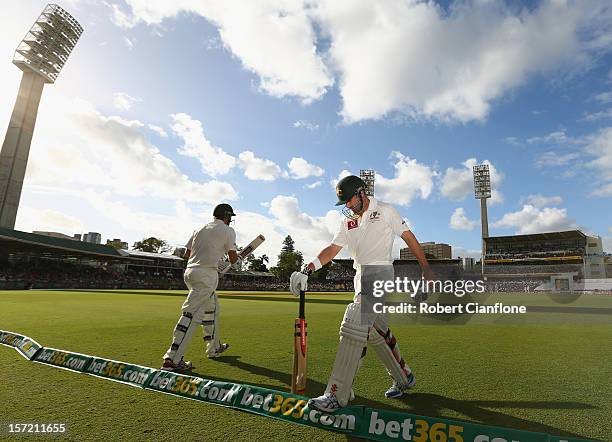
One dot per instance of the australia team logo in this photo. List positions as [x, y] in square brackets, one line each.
[374, 216]
[352, 224]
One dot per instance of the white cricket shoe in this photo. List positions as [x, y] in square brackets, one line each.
[170, 365]
[220, 350]
[326, 403]
[397, 390]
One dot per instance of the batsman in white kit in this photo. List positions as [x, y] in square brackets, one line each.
[205, 248]
[368, 231]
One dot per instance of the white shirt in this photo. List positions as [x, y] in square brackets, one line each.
[370, 237]
[209, 244]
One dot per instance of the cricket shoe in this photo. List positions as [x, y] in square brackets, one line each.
[170, 365]
[220, 350]
[326, 403]
[397, 390]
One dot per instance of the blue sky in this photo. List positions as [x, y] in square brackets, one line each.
[165, 108]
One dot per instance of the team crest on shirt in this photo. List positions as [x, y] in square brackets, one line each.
[374, 216]
[352, 224]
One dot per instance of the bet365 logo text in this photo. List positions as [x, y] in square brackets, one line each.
[130, 374]
[293, 408]
[11, 339]
[72, 361]
[194, 388]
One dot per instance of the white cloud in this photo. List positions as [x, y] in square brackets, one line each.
[314, 185]
[600, 147]
[539, 200]
[459, 183]
[531, 219]
[30, 219]
[411, 180]
[300, 168]
[596, 116]
[271, 38]
[604, 97]
[513, 141]
[158, 130]
[460, 221]
[214, 160]
[474, 52]
[451, 64]
[259, 169]
[75, 145]
[310, 233]
[342, 174]
[558, 137]
[306, 125]
[123, 101]
[556, 159]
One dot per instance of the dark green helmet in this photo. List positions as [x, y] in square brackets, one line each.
[223, 210]
[347, 187]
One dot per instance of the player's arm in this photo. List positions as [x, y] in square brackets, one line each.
[230, 246]
[325, 256]
[417, 250]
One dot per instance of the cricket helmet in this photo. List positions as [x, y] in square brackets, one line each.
[347, 187]
[223, 210]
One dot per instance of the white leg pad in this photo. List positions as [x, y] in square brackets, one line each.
[182, 335]
[353, 339]
[388, 352]
[210, 324]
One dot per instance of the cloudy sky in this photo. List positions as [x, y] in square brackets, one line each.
[166, 108]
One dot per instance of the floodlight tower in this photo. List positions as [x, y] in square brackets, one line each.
[368, 176]
[482, 191]
[41, 55]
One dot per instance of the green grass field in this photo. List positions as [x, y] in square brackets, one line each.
[552, 374]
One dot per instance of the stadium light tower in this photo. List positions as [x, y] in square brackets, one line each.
[482, 191]
[41, 55]
[368, 176]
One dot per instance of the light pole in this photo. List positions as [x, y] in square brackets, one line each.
[41, 55]
[482, 191]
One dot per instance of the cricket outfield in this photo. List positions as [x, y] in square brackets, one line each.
[552, 376]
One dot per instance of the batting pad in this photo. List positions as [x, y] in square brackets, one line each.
[353, 339]
[210, 324]
[386, 348]
[182, 335]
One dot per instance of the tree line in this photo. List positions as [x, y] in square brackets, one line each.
[289, 259]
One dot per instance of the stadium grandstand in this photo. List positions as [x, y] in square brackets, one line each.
[522, 263]
[29, 260]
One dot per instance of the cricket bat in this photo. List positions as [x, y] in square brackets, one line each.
[245, 252]
[300, 348]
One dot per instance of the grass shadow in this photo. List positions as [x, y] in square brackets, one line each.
[426, 404]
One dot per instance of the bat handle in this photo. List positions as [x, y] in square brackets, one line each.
[302, 304]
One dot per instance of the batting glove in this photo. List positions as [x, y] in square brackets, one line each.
[297, 282]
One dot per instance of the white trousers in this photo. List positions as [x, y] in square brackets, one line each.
[200, 308]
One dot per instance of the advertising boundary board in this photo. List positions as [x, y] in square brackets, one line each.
[358, 421]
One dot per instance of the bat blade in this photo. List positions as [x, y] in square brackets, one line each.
[246, 251]
[300, 350]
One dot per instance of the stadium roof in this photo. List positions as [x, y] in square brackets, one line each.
[149, 255]
[554, 236]
[15, 241]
